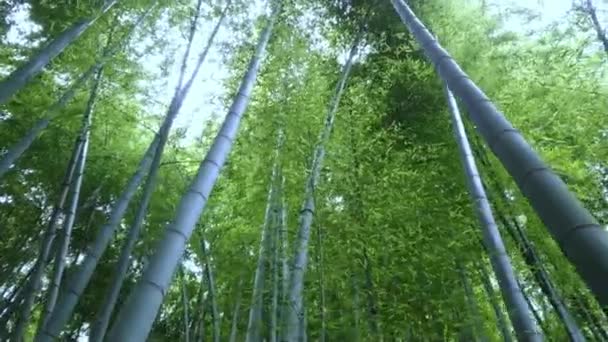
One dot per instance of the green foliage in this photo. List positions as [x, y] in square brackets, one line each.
[392, 189]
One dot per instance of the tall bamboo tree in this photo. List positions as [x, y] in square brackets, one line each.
[185, 304]
[235, 312]
[537, 316]
[254, 325]
[34, 282]
[501, 320]
[284, 247]
[525, 246]
[77, 283]
[519, 312]
[181, 91]
[76, 287]
[321, 268]
[591, 10]
[139, 311]
[596, 323]
[541, 276]
[16, 150]
[295, 315]
[472, 305]
[19, 78]
[372, 305]
[274, 302]
[201, 310]
[577, 232]
[70, 214]
[212, 293]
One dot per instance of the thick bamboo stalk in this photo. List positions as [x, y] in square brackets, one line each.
[284, 262]
[34, 283]
[20, 77]
[103, 319]
[235, 315]
[139, 311]
[73, 295]
[576, 231]
[274, 302]
[321, 268]
[471, 300]
[70, 214]
[76, 284]
[15, 151]
[519, 312]
[201, 310]
[526, 248]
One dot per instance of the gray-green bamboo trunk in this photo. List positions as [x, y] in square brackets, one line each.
[295, 314]
[597, 26]
[17, 149]
[471, 300]
[99, 328]
[542, 278]
[185, 304]
[72, 295]
[525, 247]
[34, 283]
[19, 78]
[201, 310]
[70, 214]
[137, 315]
[215, 312]
[274, 303]
[76, 284]
[235, 313]
[254, 324]
[284, 307]
[519, 312]
[582, 239]
[501, 320]
[321, 268]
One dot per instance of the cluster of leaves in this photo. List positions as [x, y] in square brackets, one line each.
[393, 223]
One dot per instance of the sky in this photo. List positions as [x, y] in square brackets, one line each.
[204, 100]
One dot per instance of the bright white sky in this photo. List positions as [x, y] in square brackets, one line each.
[204, 96]
[204, 99]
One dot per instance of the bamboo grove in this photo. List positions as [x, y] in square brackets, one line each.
[370, 171]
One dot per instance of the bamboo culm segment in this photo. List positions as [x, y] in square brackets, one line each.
[295, 315]
[576, 231]
[80, 280]
[501, 319]
[19, 78]
[255, 324]
[77, 283]
[519, 312]
[137, 315]
[17, 149]
[103, 319]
